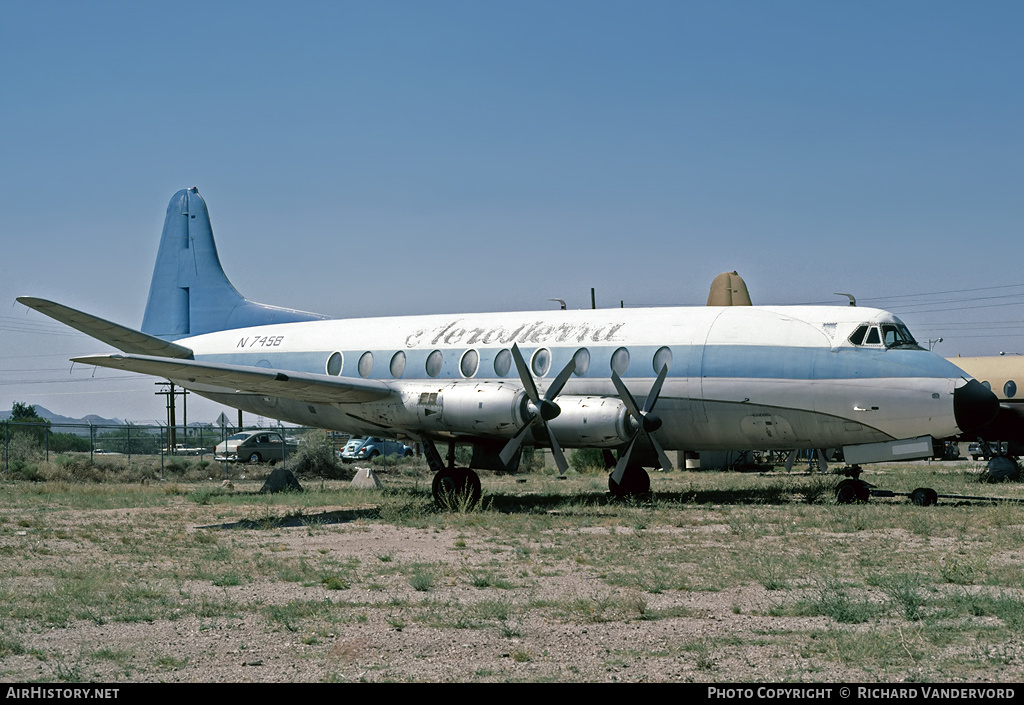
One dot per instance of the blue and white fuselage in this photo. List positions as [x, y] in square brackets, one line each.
[765, 377]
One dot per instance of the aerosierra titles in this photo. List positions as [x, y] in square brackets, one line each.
[536, 332]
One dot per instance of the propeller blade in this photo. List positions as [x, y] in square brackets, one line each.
[652, 396]
[560, 380]
[509, 451]
[556, 451]
[627, 398]
[620, 467]
[524, 375]
[666, 464]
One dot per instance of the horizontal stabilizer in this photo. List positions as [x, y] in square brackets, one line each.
[302, 386]
[121, 337]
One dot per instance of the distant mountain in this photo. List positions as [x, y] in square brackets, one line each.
[57, 419]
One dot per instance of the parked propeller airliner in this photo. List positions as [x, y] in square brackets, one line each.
[719, 377]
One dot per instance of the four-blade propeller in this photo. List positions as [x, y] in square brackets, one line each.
[644, 420]
[539, 409]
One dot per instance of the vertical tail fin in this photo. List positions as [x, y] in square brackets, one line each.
[190, 294]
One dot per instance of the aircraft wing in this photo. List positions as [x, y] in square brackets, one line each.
[120, 337]
[303, 386]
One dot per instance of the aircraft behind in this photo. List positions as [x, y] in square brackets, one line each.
[637, 381]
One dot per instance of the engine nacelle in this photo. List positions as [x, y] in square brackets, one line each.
[591, 422]
[479, 409]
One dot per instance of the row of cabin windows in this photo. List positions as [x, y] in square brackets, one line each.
[469, 362]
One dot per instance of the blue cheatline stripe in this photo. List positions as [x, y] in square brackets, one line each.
[715, 361]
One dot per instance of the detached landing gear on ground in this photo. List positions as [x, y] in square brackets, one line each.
[853, 489]
[635, 482]
[850, 491]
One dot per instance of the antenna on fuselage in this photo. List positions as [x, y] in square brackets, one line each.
[853, 301]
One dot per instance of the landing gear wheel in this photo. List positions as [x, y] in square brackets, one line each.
[850, 491]
[456, 488]
[1002, 468]
[635, 482]
[924, 496]
[255, 459]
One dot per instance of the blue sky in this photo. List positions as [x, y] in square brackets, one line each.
[380, 158]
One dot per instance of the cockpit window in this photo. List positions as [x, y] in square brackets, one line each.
[897, 336]
[892, 335]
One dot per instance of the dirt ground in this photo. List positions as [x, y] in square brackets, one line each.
[207, 592]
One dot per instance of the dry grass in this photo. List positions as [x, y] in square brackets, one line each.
[716, 576]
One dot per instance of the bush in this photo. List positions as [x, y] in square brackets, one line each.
[316, 457]
[585, 460]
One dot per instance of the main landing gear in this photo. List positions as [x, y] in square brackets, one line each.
[453, 488]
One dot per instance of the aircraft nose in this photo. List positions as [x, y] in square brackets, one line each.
[974, 406]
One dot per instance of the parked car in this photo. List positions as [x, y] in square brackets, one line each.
[255, 447]
[367, 448]
[977, 450]
[182, 449]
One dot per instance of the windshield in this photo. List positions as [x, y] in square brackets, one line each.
[891, 335]
[897, 336]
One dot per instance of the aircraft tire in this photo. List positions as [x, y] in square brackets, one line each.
[1001, 469]
[635, 482]
[850, 491]
[456, 487]
[924, 496]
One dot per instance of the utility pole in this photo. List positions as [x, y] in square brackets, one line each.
[170, 393]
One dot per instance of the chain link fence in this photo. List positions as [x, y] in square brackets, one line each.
[128, 440]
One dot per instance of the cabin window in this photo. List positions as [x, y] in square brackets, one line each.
[469, 363]
[434, 361]
[541, 362]
[987, 386]
[1010, 389]
[502, 363]
[398, 364]
[334, 363]
[582, 359]
[620, 361]
[662, 359]
[365, 364]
